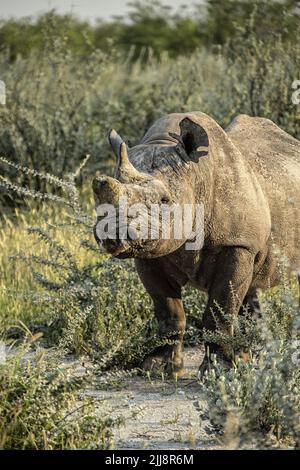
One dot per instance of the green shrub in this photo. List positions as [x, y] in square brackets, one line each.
[42, 406]
[257, 404]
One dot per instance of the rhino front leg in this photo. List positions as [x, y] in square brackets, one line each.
[227, 292]
[169, 312]
[251, 305]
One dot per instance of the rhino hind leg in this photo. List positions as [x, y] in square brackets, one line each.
[230, 285]
[250, 307]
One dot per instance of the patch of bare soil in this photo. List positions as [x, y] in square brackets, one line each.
[161, 414]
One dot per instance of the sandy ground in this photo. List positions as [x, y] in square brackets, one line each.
[157, 414]
[160, 414]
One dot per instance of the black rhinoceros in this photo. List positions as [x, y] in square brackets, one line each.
[248, 179]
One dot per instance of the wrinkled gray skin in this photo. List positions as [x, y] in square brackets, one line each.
[248, 178]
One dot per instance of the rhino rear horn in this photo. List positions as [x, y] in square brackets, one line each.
[115, 141]
[193, 138]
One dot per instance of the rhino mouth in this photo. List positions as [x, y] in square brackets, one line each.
[121, 248]
[115, 248]
[124, 255]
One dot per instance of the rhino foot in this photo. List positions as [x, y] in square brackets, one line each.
[165, 360]
[208, 365]
[226, 363]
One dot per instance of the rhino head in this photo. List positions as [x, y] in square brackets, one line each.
[151, 179]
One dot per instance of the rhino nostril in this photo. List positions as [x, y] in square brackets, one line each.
[98, 184]
[132, 234]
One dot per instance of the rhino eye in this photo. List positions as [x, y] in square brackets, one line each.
[165, 200]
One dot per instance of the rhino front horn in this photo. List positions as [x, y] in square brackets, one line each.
[125, 171]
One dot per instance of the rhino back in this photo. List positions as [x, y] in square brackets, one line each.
[262, 138]
[274, 156]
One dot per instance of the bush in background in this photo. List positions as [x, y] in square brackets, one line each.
[67, 113]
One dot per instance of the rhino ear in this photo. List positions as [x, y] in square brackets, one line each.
[193, 138]
[115, 141]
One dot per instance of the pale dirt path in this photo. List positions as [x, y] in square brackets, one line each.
[157, 414]
[160, 415]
